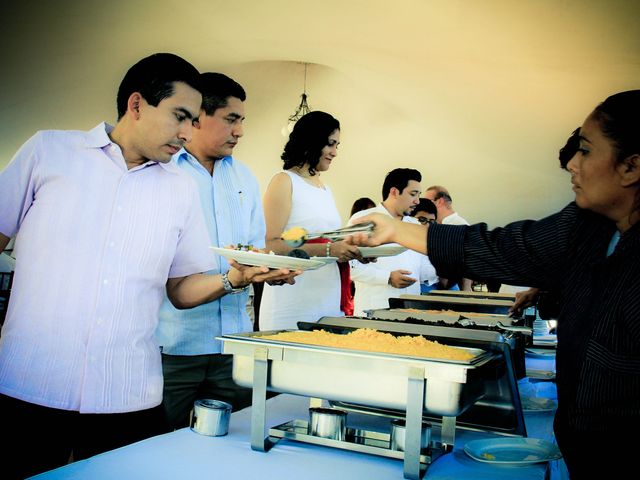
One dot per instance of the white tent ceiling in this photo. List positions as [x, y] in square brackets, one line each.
[478, 95]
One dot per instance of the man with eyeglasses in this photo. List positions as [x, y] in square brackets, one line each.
[392, 276]
[425, 212]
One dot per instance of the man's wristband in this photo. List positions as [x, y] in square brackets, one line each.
[328, 249]
[226, 284]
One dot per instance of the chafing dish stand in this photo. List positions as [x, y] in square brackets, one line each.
[454, 387]
[415, 458]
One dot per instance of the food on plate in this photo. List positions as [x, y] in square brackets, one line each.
[375, 341]
[488, 456]
[294, 234]
[245, 248]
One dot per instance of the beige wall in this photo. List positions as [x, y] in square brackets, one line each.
[478, 95]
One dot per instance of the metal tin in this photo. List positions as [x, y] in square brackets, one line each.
[327, 423]
[398, 431]
[210, 417]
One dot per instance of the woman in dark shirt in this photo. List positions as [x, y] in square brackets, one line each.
[590, 254]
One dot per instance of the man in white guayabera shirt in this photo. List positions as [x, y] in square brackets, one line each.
[392, 276]
[448, 216]
[103, 224]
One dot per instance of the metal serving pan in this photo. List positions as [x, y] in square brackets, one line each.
[452, 318]
[499, 410]
[464, 294]
[360, 377]
[433, 302]
[484, 327]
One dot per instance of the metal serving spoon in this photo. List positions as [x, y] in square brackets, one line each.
[297, 236]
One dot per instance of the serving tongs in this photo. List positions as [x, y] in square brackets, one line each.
[465, 322]
[297, 236]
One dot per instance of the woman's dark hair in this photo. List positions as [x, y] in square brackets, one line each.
[154, 77]
[363, 203]
[619, 120]
[309, 136]
[570, 148]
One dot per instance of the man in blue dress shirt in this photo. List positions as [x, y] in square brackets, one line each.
[193, 365]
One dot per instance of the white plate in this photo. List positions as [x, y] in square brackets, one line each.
[545, 340]
[540, 374]
[325, 260]
[267, 260]
[382, 250]
[512, 451]
[538, 404]
[540, 352]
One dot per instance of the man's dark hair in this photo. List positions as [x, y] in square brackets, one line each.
[309, 136]
[425, 205]
[154, 77]
[399, 178]
[216, 88]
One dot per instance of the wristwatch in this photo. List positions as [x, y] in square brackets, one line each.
[228, 287]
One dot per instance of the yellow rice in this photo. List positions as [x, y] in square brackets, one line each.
[374, 341]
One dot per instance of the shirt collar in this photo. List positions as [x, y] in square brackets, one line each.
[184, 156]
[98, 137]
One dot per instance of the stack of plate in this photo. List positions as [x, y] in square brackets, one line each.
[540, 327]
[541, 335]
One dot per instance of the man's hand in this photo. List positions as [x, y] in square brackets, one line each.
[242, 275]
[401, 279]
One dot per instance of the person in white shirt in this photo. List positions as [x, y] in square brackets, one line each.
[391, 276]
[441, 197]
[107, 214]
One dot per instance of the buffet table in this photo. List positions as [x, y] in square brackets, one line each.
[186, 455]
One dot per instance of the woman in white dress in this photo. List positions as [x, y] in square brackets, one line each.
[297, 197]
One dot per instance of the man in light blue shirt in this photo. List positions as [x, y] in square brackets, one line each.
[193, 366]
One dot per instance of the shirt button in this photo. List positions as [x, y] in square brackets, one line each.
[105, 281]
[112, 244]
[99, 321]
[119, 208]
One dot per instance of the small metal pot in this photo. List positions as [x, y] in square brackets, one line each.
[398, 431]
[327, 423]
[210, 417]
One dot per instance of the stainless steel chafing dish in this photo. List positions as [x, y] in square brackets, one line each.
[409, 387]
[355, 376]
[459, 304]
[473, 294]
[468, 316]
[499, 409]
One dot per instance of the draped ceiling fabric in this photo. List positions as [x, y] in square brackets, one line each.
[478, 95]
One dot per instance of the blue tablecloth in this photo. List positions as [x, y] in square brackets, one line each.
[187, 455]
